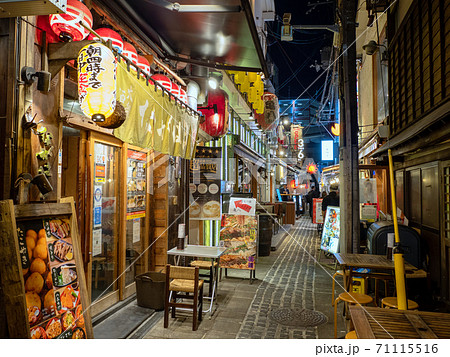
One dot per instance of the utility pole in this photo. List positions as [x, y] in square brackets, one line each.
[348, 141]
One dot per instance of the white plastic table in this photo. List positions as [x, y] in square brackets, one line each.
[201, 251]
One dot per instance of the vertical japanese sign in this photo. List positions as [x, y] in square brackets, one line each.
[238, 235]
[296, 135]
[52, 289]
[136, 182]
[317, 211]
[205, 182]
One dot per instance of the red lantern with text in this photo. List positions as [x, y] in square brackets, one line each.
[43, 24]
[216, 114]
[130, 52]
[67, 26]
[144, 64]
[108, 34]
[163, 80]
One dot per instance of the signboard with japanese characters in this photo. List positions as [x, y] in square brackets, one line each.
[205, 183]
[243, 206]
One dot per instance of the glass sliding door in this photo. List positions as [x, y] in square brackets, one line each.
[105, 220]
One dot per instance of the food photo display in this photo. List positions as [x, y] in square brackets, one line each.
[51, 279]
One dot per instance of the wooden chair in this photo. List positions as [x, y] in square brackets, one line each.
[207, 265]
[351, 298]
[184, 280]
[391, 301]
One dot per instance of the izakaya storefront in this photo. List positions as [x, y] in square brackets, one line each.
[120, 181]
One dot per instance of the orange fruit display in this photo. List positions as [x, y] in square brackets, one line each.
[41, 241]
[40, 251]
[32, 234]
[38, 266]
[35, 282]
[31, 243]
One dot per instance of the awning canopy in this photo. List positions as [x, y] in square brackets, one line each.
[201, 31]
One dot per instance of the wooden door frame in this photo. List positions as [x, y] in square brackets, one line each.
[113, 297]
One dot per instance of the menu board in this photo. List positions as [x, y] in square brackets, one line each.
[205, 184]
[331, 228]
[52, 288]
[317, 211]
[238, 235]
[136, 164]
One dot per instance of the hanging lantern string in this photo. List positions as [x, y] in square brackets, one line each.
[148, 78]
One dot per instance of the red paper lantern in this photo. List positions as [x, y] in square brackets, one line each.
[175, 90]
[43, 24]
[293, 185]
[144, 64]
[216, 113]
[130, 52]
[108, 34]
[67, 26]
[183, 96]
[163, 80]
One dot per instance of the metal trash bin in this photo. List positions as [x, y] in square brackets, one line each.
[150, 290]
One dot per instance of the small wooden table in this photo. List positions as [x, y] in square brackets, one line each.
[349, 262]
[375, 322]
[201, 251]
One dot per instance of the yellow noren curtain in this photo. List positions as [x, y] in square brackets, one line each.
[153, 121]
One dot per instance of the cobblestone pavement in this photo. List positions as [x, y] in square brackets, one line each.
[288, 278]
[290, 283]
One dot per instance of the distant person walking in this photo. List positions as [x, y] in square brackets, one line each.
[313, 193]
[332, 199]
[284, 191]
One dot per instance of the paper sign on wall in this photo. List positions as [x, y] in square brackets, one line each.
[242, 206]
[96, 242]
[136, 230]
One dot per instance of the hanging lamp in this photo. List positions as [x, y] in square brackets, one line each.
[130, 52]
[97, 81]
[67, 26]
[108, 34]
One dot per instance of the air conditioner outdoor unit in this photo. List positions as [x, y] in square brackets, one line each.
[16, 8]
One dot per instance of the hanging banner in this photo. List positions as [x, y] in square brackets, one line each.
[205, 183]
[238, 235]
[154, 121]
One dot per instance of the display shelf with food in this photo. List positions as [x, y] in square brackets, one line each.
[48, 256]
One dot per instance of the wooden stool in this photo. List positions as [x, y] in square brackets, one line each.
[392, 302]
[333, 282]
[206, 265]
[351, 298]
[351, 335]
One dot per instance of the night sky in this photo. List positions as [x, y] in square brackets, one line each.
[294, 58]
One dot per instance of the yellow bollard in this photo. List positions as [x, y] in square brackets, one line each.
[399, 262]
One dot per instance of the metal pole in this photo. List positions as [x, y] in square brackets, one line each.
[399, 262]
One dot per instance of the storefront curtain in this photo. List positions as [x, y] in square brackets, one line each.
[153, 121]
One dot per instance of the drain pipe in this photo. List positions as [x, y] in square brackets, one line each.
[192, 92]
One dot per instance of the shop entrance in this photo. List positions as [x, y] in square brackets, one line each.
[105, 221]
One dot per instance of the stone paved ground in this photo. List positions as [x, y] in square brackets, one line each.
[290, 283]
[289, 277]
